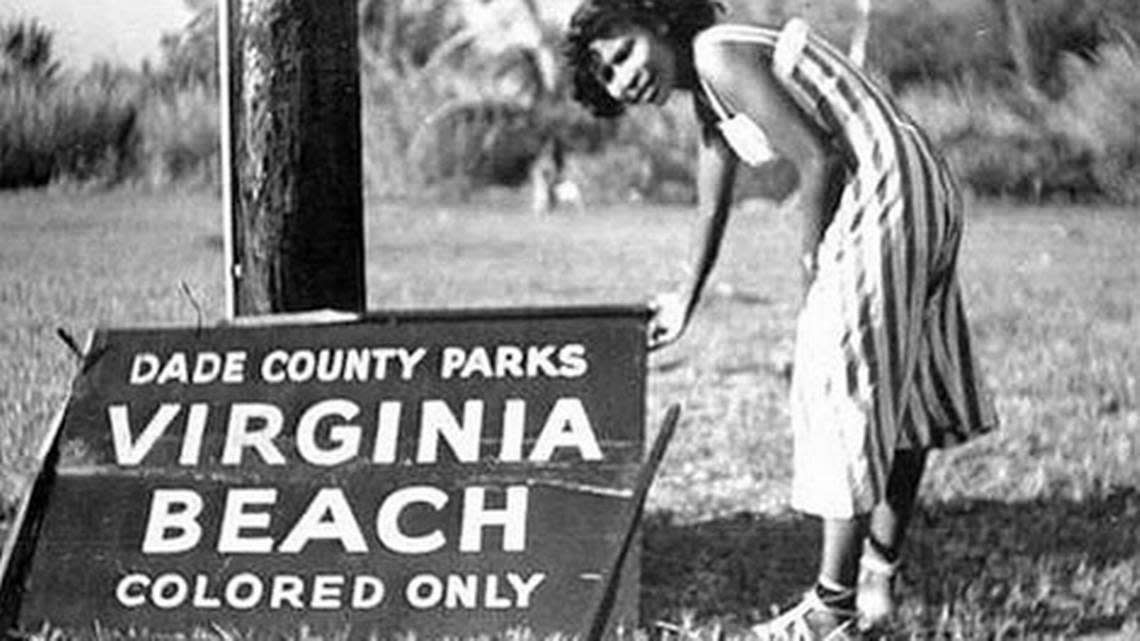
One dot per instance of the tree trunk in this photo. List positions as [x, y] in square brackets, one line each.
[294, 109]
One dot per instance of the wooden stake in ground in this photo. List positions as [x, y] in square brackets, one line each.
[600, 615]
[291, 156]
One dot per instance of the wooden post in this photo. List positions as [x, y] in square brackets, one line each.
[291, 125]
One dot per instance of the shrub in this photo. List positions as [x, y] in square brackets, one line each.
[74, 129]
[1081, 146]
[26, 52]
[60, 128]
[450, 127]
[922, 42]
[190, 56]
[652, 156]
[1100, 114]
[1060, 29]
[645, 155]
[990, 139]
[919, 43]
[394, 106]
[180, 136]
[911, 41]
[418, 35]
[835, 20]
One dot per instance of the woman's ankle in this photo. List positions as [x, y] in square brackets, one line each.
[879, 557]
[835, 595]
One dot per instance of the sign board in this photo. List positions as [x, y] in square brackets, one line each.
[435, 473]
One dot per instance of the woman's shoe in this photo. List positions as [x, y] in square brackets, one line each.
[874, 599]
[810, 620]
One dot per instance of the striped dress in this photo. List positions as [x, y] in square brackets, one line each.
[883, 357]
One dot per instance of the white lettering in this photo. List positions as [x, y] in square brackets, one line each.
[478, 362]
[462, 591]
[509, 362]
[436, 419]
[513, 361]
[327, 591]
[388, 520]
[492, 600]
[523, 589]
[301, 366]
[195, 431]
[567, 426]
[538, 362]
[472, 591]
[329, 363]
[144, 367]
[234, 369]
[207, 366]
[240, 436]
[273, 366]
[416, 595]
[131, 452]
[176, 369]
[201, 599]
[287, 588]
[367, 592]
[246, 591]
[169, 591]
[131, 590]
[249, 584]
[514, 423]
[451, 360]
[236, 518]
[573, 358]
[200, 368]
[387, 432]
[328, 517]
[346, 437]
[340, 364]
[356, 365]
[382, 355]
[477, 516]
[172, 525]
[409, 361]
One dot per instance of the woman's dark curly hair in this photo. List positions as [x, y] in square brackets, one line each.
[678, 20]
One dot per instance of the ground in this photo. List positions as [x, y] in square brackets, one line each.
[1027, 533]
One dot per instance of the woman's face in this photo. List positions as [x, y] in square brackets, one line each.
[635, 65]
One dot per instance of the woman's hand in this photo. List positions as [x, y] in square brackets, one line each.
[669, 319]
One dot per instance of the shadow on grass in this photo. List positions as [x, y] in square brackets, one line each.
[1045, 568]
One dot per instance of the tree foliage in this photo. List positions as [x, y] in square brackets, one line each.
[190, 56]
[26, 51]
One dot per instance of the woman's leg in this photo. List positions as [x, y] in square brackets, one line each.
[886, 531]
[839, 552]
[890, 518]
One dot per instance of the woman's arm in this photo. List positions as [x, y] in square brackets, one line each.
[716, 173]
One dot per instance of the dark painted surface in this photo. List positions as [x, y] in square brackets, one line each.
[565, 382]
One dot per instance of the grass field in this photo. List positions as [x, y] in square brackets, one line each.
[1033, 532]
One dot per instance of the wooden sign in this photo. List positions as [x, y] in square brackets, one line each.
[446, 473]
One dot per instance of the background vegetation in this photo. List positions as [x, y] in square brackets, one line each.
[1030, 100]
